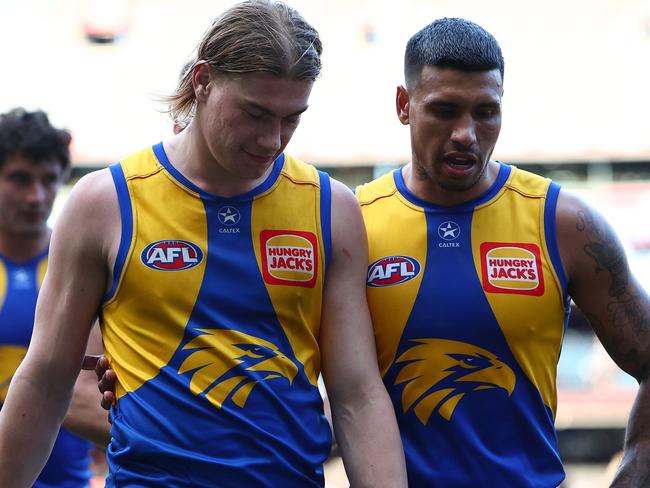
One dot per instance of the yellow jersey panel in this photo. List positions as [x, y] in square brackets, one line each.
[290, 260]
[523, 288]
[388, 266]
[135, 319]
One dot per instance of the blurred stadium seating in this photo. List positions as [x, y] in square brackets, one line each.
[575, 89]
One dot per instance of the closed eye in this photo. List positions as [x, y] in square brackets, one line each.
[254, 114]
[443, 109]
[487, 112]
[293, 120]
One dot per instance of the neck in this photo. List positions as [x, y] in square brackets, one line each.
[188, 154]
[23, 247]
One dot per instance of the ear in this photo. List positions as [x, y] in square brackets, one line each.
[201, 77]
[402, 104]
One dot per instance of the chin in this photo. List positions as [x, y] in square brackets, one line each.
[459, 186]
[31, 230]
[257, 171]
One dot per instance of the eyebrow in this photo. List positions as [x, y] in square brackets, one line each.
[266, 111]
[447, 104]
[441, 103]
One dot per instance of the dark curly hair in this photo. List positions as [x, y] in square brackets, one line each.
[30, 135]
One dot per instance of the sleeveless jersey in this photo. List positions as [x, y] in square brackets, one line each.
[212, 328]
[68, 464]
[469, 306]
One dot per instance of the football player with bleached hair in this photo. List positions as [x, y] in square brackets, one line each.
[228, 275]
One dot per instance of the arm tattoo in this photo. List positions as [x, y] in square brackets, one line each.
[626, 308]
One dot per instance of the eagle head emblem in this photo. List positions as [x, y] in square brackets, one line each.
[438, 373]
[229, 364]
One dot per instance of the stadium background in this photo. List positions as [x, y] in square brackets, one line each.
[575, 109]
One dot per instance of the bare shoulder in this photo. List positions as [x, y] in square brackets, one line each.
[342, 195]
[347, 224]
[586, 240]
[94, 188]
[91, 214]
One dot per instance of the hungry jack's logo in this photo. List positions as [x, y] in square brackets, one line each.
[289, 257]
[228, 364]
[512, 268]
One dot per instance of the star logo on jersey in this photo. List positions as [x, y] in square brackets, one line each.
[449, 230]
[438, 373]
[229, 215]
[21, 279]
[228, 364]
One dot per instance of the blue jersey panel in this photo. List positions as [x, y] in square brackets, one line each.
[482, 411]
[68, 464]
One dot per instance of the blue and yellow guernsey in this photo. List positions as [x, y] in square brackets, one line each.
[469, 306]
[69, 461]
[212, 327]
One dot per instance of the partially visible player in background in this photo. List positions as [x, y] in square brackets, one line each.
[34, 162]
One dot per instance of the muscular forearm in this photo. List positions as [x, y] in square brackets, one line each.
[634, 470]
[367, 433]
[29, 423]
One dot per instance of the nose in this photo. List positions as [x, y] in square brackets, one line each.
[270, 139]
[36, 193]
[464, 132]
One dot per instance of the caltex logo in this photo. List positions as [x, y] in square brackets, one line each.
[449, 230]
[228, 215]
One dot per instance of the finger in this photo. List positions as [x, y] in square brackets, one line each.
[101, 366]
[107, 382]
[108, 398]
[90, 362]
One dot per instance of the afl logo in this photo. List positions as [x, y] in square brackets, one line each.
[392, 270]
[171, 255]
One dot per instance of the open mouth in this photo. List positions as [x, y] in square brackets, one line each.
[459, 164]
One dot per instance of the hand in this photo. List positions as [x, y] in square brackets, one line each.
[105, 378]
